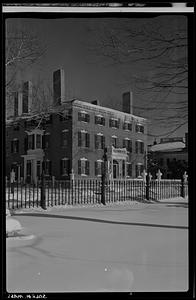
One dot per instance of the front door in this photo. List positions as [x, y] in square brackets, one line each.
[29, 171]
[115, 169]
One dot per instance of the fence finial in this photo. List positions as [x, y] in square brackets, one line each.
[159, 174]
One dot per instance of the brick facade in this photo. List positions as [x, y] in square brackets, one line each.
[69, 142]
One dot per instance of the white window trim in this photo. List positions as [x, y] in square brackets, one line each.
[83, 131]
[65, 130]
[83, 158]
[99, 160]
[83, 112]
[100, 116]
[15, 139]
[127, 139]
[99, 134]
[114, 136]
[65, 158]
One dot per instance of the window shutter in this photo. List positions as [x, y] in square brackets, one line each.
[79, 116]
[25, 143]
[43, 141]
[130, 149]
[118, 123]
[102, 142]
[136, 146]
[33, 141]
[87, 167]
[136, 128]
[103, 121]
[96, 170]
[79, 139]
[96, 141]
[79, 167]
[136, 170]
[102, 167]
[17, 146]
[142, 147]
[12, 146]
[87, 140]
[88, 118]
[61, 167]
[117, 142]
[130, 126]
[50, 167]
[68, 167]
[95, 119]
[110, 122]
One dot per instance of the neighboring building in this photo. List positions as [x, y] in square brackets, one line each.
[171, 155]
[71, 138]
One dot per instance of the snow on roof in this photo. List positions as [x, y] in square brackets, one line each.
[176, 146]
[103, 109]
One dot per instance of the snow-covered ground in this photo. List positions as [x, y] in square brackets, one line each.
[119, 247]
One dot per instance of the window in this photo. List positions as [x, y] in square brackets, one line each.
[99, 120]
[127, 126]
[16, 127]
[46, 141]
[114, 141]
[15, 146]
[99, 141]
[65, 167]
[114, 123]
[127, 143]
[83, 167]
[38, 168]
[64, 138]
[47, 167]
[161, 161]
[99, 167]
[168, 161]
[65, 116]
[38, 141]
[138, 170]
[129, 169]
[31, 142]
[139, 147]
[139, 128]
[83, 139]
[83, 116]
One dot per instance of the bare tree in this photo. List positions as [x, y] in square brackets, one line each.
[160, 52]
[22, 49]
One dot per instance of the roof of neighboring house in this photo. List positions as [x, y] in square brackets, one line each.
[172, 146]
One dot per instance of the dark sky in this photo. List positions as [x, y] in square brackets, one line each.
[87, 76]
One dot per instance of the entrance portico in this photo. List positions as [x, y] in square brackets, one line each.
[33, 165]
[117, 160]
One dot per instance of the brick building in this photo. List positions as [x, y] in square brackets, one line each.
[71, 138]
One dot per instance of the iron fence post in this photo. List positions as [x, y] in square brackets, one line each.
[182, 194]
[43, 195]
[103, 178]
[147, 187]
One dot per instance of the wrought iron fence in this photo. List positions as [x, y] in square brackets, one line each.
[90, 191]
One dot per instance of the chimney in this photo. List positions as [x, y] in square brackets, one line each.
[27, 97]
[58, 87]
[18, 104]
[95, 102]
[127, 105]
